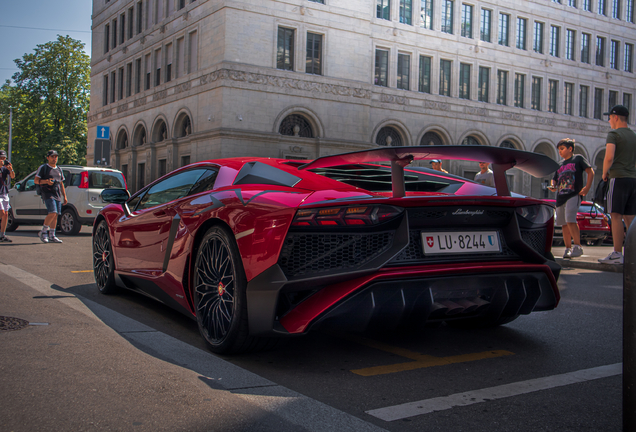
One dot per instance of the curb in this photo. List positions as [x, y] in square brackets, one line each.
[572, 263]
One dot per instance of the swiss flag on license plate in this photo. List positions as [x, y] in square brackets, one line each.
[429, 241]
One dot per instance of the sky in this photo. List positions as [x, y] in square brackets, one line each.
[24, 24]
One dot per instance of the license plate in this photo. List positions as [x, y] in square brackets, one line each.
[460, 242]
[595, 221]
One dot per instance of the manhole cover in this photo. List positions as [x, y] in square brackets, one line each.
[10, 323]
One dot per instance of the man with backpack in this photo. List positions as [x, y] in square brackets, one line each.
[50, 178]
[6, 174]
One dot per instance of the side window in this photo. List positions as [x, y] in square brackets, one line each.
[132, 203]
[170, 189]
[75, 179]
[205, 182]
[29, 183]
[67, 177]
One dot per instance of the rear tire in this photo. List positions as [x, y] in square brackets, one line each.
[11, 223]
[103, 262]
[69, 224]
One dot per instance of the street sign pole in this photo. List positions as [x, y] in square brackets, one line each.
[629, 331]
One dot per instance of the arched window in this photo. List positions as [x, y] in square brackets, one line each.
[140, 136]
[470, 140]
[296, 125]
[388, 136]
[122, 140]
[160, 132]
[431, 138]
[183, 126]
[508, 144]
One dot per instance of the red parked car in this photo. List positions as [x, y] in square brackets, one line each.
[258, 248]
[593, 224]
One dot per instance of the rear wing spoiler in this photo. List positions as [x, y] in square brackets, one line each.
[502, 159]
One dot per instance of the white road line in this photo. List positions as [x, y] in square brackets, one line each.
[426, 406]
[598, 305]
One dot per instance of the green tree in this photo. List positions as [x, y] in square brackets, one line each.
[50, 99]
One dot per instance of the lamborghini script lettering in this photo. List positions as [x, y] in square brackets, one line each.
[468, 212]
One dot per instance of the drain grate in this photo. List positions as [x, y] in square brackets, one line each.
[10, 323]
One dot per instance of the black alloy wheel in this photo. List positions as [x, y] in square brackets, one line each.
[219, 293]
[103, 263]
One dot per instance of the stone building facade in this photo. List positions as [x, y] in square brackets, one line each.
[180, 81]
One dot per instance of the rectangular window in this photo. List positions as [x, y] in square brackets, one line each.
[426, 14]
[180, 58]
[628, 59]
[137, 75]
[464, 81]
[140, 18]
[553, 87]
[185, 160]
[444, 77]
[193, 51]
[616, 7]
[148, 71]
[285, 51]
[504, 24]
[141, 175]
[122, 28]
[600, 51]
[447, 16]
[570, 36]
[406, 11]
[131, 22]
[484, 84]
[614, 54]
[106, 38]
[170, 8]
[521, 33]
[159, 10]
[105, 91]
[113, 87]
[587, 5]
[537, 46]
[169, 62]
[158, 67]
[568, 97]
[484, 25]
[613, 99]
[572, 3]
[381, 67]
[555, 34]
[113, 25]
[313, 62]
[584, 95]
[403, 71]
[627, 103]
[585, 47]
[502, 85]
[629, 11]
[124, 171]
[129, 79]
[383, 9]
[520, 89]
[602, 7]
[598, 104]
[425, 75]
[162, 168]
[467, 21]
[148, 14]
[535, 102]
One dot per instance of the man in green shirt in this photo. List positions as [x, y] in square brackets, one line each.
[619, 167]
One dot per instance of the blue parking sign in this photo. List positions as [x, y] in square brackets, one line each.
[103, 132]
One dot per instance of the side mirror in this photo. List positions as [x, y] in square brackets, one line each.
[18, 187]
[114, 196]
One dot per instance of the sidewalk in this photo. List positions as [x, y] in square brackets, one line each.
[589, 260]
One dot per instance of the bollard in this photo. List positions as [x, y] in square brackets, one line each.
[629, 331]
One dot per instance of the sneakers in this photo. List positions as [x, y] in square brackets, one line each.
[577, 251]
[568, 253]
[53, 239]
[44, 237]
[612, 258]
[5, 239]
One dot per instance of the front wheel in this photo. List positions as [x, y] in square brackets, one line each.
[69, 225]
[219, 293]
[103, 263]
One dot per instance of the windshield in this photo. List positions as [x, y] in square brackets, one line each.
[106, 180]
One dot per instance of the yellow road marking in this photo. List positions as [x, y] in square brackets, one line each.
[421, 360]
[81, 271]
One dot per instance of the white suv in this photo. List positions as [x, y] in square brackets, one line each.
[83, 185]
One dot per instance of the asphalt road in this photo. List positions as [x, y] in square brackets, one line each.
[549, 371]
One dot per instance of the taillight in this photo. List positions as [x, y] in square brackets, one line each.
[84, 181]
[345, 216]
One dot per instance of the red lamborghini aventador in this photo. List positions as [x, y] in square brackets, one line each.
[256, 248]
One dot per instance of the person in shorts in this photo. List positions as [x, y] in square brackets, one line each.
[620, 172]
[568, 183]
[6, 172]
[51, 181]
